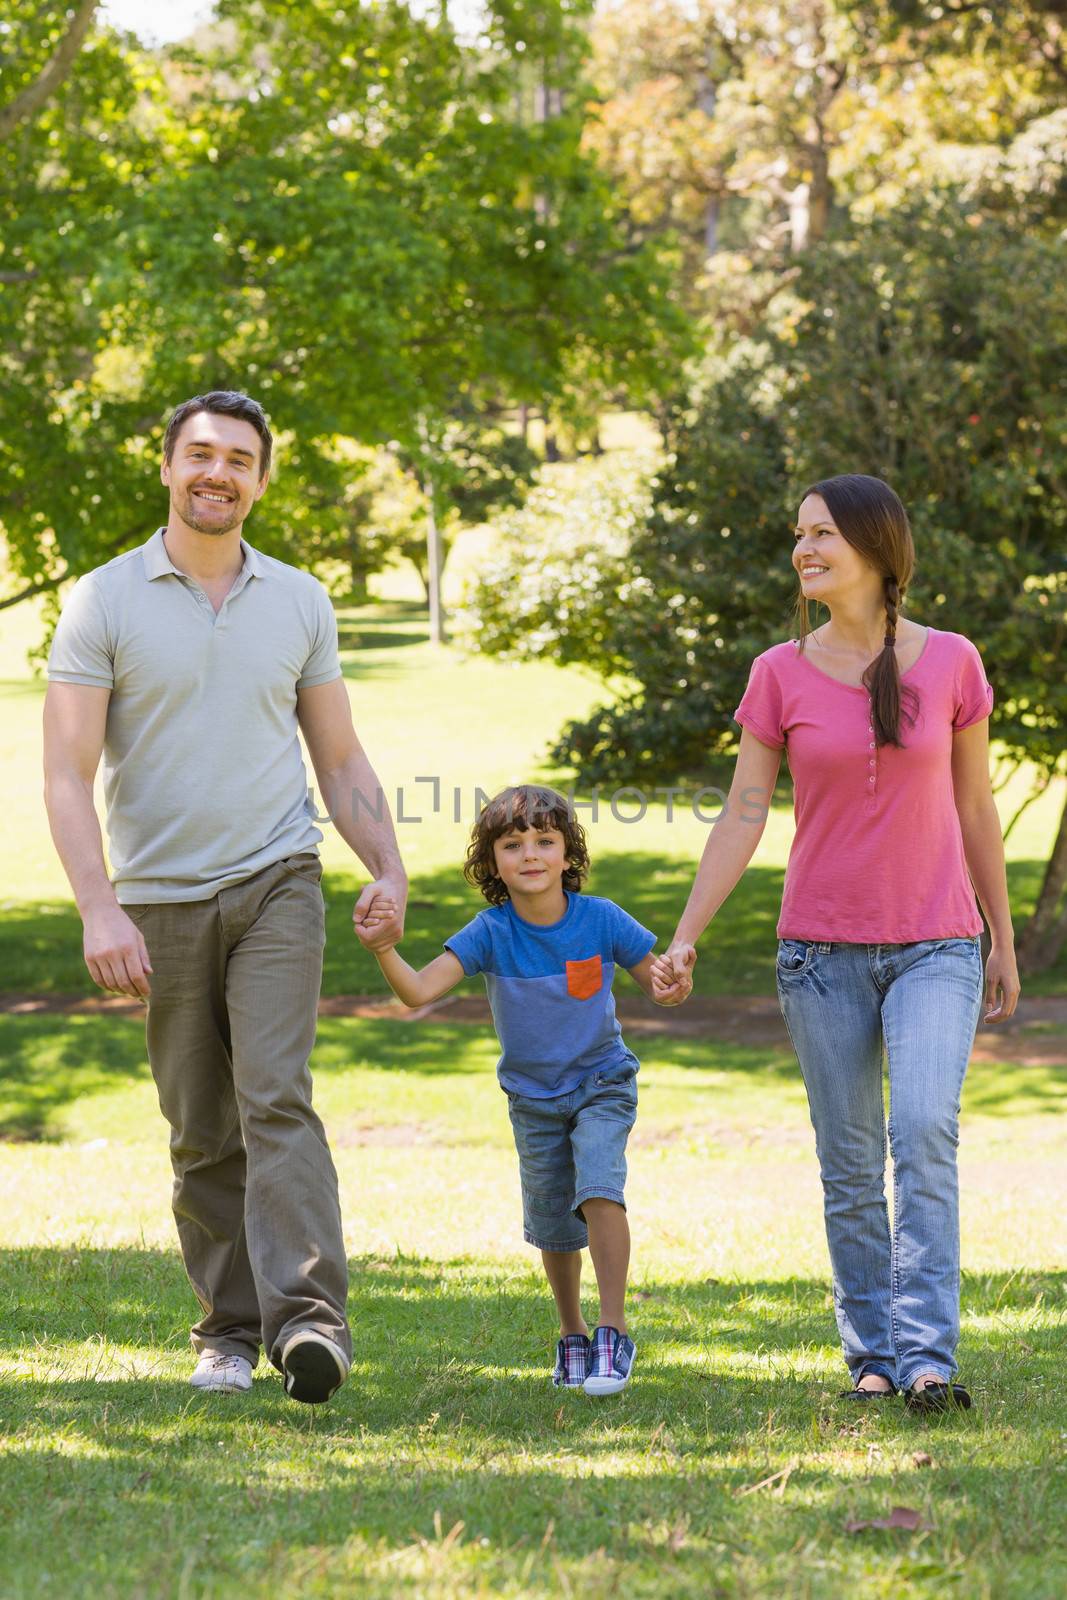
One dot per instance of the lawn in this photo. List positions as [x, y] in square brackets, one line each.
[448, 1466]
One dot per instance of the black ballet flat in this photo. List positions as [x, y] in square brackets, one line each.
[938, 1397]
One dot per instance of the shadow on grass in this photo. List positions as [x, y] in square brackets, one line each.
[353, 636]
[449, 1418]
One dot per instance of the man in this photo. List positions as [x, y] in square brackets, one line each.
[190, 662]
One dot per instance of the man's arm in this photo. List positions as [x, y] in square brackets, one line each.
[355, 801]
[75, 717]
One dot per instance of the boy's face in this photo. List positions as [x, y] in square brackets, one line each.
[530, 862]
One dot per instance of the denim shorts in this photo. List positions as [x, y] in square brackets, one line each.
[572, 1148]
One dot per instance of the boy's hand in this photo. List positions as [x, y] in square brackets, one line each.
[672, 975]
[388, 929]
[382, 910]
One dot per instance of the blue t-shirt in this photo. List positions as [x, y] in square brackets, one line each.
[550, 989]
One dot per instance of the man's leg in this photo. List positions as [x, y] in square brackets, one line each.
[188, 1048]
[274, 927]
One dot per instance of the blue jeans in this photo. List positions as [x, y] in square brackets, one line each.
[896, 1293]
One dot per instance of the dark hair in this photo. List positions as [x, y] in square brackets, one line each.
[519, 808]
[872, 519]
[222, 403]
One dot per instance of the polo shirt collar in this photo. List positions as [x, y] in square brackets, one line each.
[157, 562]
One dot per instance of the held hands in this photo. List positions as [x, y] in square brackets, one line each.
[378, 917]
[672, 975]
[115, 952]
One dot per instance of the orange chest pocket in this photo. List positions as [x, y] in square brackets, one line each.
[584, 978]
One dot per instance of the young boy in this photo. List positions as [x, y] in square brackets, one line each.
[548, 954]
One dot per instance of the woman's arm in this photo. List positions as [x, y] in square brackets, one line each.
[731, 843]
[983, 848]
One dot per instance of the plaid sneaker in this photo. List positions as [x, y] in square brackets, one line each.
[572, 1361]
[611, 1361]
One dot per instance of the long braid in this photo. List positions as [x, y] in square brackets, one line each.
[892, 601]
[883, 676]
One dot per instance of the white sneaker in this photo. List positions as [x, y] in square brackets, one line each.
[314, 1368]
[222, 1374]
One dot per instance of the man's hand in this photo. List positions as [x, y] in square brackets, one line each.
[672, 975]
[115, 953]
[378, 915]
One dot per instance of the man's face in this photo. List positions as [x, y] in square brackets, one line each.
[213, 475]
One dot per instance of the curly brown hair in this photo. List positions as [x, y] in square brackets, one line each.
[516, 809]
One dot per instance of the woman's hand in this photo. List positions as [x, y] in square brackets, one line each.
[672, 974]
[1001, 979]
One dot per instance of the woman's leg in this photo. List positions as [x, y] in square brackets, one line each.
[932, 1004]
[832, 1008]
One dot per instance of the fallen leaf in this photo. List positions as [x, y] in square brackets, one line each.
[900, 1517]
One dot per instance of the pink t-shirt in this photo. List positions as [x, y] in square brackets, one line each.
[878, 852]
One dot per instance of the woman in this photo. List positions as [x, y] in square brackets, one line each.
[885, 727]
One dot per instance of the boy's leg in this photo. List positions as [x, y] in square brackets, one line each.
[563, 1269]
[546, 1173]
[609, 1246]
[604, 1116]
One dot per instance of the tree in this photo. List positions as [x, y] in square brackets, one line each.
[905, 351]
[329, 204]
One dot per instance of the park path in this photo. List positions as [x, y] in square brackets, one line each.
[1036, 1035]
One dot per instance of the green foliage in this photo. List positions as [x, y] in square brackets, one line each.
[906, 352]
[332, 205]
[558, 564]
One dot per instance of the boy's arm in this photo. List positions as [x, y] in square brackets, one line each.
[416, 988]
[642, 976]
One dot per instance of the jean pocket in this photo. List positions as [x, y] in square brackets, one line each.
[305, 865]
[794, 956]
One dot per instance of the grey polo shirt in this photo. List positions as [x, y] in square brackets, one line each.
[203, 776]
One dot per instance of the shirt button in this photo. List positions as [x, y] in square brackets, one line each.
[871, 745]
[870, 780]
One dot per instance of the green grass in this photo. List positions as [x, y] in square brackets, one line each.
[117, 1480]
[448, 1468]
[471, 722]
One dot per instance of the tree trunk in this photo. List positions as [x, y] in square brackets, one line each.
[1043, 937]
[36, 93]
[820, 195]
[433, 563]
[707, 97]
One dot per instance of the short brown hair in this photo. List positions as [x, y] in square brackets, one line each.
[223, 403]
[516, 809]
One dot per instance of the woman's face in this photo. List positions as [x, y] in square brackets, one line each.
[829, 567]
